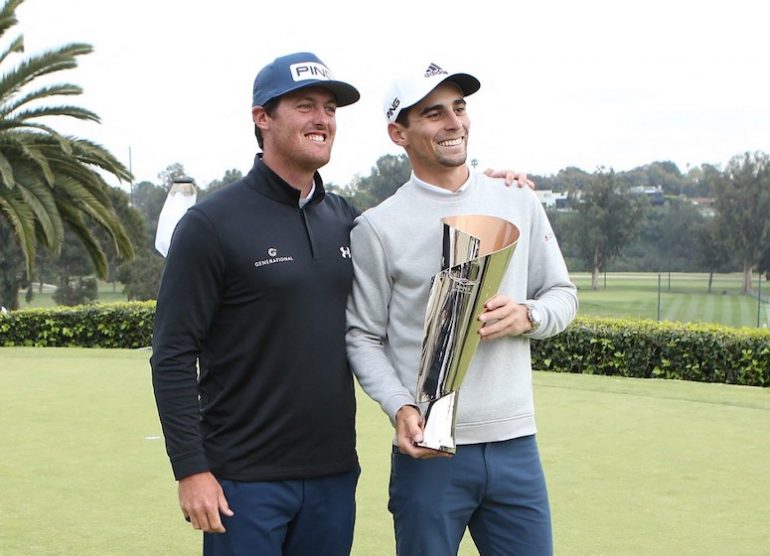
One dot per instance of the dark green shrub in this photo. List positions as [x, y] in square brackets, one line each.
[76, 291]
[650, 349]
[114, 325]
[633, 348]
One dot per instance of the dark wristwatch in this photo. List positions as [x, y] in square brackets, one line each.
[533, 316]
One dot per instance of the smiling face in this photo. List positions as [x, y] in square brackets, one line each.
[436, 137]
[298, 135]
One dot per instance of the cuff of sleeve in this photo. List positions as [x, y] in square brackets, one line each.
[187, 465]
[397, 402]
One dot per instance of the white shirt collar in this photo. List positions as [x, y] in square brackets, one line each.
[441, 190]
[306, 200]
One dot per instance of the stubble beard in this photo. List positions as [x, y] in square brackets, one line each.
[454, 161]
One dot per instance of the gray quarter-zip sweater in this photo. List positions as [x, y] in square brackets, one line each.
[397, 249]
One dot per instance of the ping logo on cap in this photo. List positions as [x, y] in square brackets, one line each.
[309, 70]
[396, 103]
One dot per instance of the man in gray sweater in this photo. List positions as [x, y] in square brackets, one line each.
[494, 483]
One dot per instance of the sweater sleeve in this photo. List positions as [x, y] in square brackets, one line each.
[549, 286]
[187, 301]
[367, 321]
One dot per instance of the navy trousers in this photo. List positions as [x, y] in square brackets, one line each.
[497, 490]
[287, 518]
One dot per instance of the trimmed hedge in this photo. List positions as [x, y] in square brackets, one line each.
[603, 346]
[113, 325]
[651, 349]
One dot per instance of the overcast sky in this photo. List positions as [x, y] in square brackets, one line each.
[563, 83]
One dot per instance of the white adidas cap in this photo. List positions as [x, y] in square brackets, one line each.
[411, 88]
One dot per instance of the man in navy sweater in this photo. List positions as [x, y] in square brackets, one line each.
[251, 378]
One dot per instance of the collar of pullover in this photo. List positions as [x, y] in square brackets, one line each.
[271, 185]
[440, 191]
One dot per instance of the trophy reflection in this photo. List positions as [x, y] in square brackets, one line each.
[476, 252]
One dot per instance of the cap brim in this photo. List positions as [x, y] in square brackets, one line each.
[467, 83]
[344, 93]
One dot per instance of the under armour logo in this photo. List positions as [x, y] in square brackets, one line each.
[272, 251]
[433, 69]
[345, 252]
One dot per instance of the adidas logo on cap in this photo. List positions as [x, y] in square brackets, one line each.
[433, 69]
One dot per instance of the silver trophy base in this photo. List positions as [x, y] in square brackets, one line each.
[438, 433]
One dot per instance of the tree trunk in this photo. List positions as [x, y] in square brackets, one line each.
[746, 285]
[595, 271]
[11, 268]
[595, 278]
[711, 280]
[9, 290]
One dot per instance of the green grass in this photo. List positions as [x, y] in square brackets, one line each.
[108, 293]
[634, 467]
[683, 297]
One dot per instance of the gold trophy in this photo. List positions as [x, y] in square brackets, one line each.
[476, 252]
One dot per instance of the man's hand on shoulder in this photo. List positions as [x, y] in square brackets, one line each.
[511, 177]
[202, 500]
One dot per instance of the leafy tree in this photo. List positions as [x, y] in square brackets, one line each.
[764, 262]
[141, 276]
[230, 176]
[743, 209]
[71, 265]
[12, 274]
[388, 174]
[563, 222]
[172, 172]
[76, 291]
[43, 272]
[702, 180]
[665, 174]
[49, 181]
[608, 220]
[570, 180]
[678, 240]
[712, 249]
[133, 223]
[148, 199]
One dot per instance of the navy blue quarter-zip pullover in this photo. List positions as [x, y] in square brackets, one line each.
[254, 294]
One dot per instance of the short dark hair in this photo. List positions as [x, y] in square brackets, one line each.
[269, 109]
[403, 116]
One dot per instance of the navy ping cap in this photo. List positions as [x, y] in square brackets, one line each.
[297, 71]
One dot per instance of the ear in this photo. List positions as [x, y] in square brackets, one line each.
[260, 117]
[397, 134]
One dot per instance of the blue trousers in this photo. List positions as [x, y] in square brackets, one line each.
[287, 518]
[497, 490]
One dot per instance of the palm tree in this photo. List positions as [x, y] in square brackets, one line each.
[49, 181]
